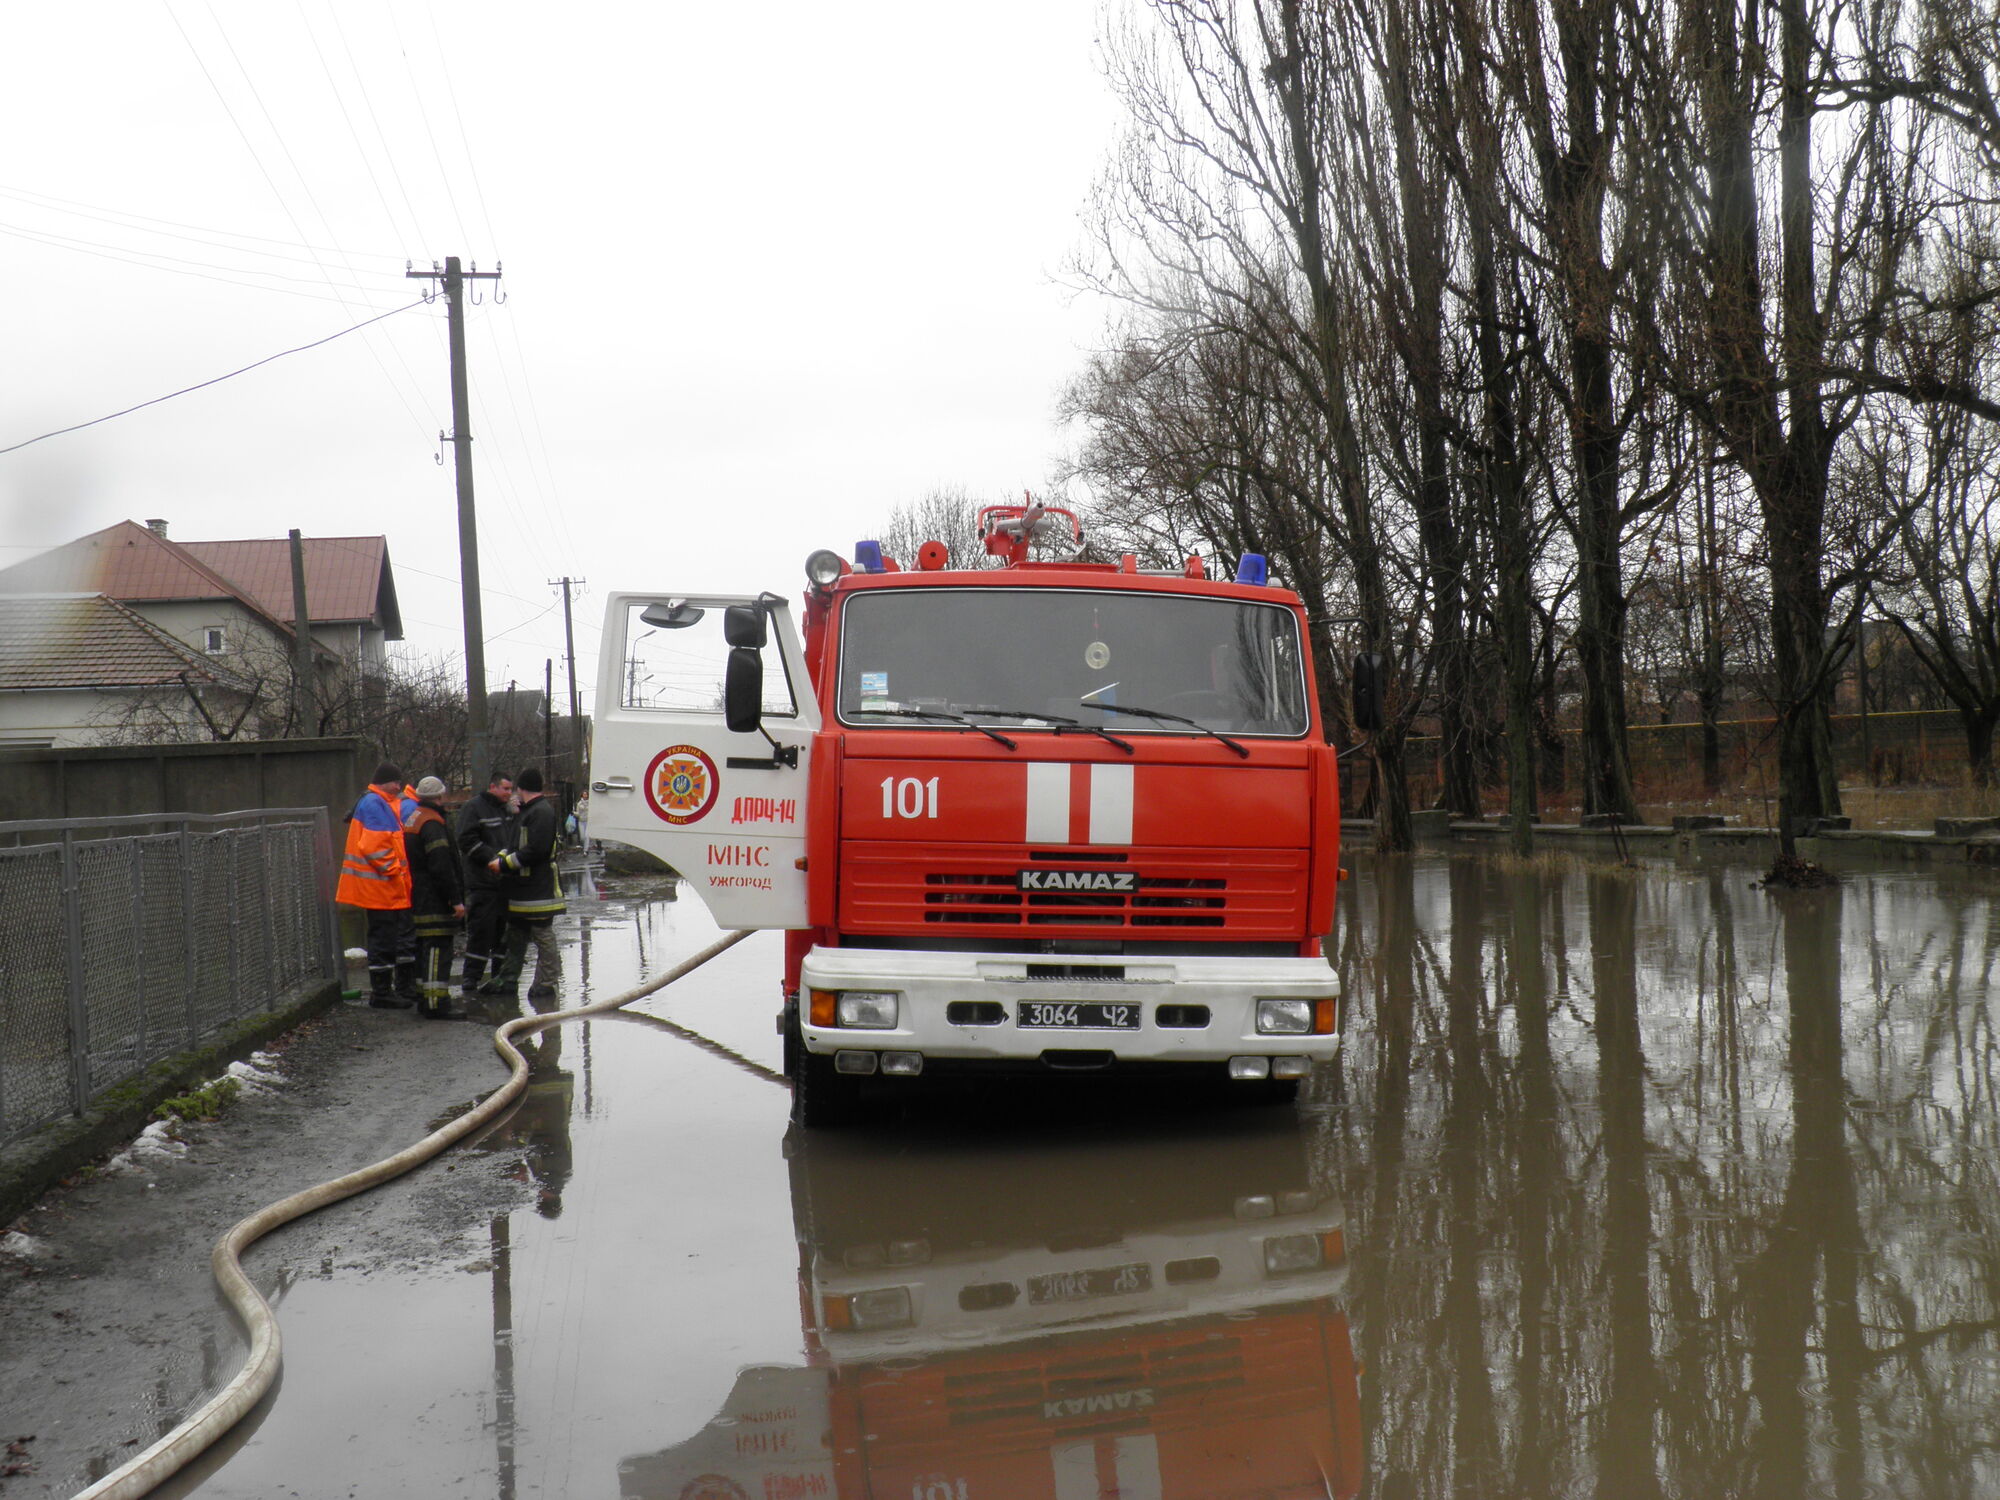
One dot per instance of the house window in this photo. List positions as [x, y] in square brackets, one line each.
[213, 641]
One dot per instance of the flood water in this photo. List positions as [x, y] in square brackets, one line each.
[1631, 1183]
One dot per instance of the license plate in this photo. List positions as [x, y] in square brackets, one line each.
[1100, 1281]
[1079, 1015]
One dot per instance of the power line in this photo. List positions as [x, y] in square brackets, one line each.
[204, 385]
[119, 217]
[150, 265]
[69, 241]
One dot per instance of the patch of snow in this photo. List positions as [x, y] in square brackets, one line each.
[154, 1144]
[255, 1075]
[358, 955]
[25, 1246]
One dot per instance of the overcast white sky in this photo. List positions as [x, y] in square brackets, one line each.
[771, 270]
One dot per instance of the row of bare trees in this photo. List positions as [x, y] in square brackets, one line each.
[412, 708]
[1554, 342]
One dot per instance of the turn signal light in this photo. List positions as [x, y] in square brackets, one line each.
[823, 1006]
[1325, 1014]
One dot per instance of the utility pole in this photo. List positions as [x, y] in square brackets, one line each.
[453, 279]
[548, 716]
[305, 707]
[577, 767]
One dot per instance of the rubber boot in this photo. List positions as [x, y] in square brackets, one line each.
[439, 1008]
[383, 995]
[407, 987]
[507, 966]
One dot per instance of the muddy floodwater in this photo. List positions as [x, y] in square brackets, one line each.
[1631, 1183]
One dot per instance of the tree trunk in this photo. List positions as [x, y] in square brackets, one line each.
[1418, 314]
[1347, 471]
[1979, 742]
[1600, 594]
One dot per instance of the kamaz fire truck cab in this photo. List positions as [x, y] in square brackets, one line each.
[1039, 816]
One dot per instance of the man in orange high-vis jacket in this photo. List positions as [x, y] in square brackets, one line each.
[375, 876]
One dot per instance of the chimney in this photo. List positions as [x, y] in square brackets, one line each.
[158, 527]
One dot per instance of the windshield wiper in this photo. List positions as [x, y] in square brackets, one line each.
[1060, 723]
[940, 713]
[1156, 713]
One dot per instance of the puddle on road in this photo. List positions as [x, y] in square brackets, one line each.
[1632, 1184]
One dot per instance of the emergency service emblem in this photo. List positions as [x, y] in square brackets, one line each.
[681, 784]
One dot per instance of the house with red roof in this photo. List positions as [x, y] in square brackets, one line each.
[215, 622]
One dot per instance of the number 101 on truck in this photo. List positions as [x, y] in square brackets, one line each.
[1033, 817]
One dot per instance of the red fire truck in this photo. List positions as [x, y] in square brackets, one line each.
[1160, 1316]
[1040, 816]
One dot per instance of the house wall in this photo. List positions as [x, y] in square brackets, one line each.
[252, 646]
[54, 716]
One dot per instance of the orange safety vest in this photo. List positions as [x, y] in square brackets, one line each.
[375, 873]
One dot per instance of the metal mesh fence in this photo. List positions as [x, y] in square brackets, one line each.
[124, 944]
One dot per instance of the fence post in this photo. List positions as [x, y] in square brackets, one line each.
[187, 928]
[323, 890]
[139, 976]
[79, 1015]
[273, 960]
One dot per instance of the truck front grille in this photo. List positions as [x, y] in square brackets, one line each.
[1245, 892]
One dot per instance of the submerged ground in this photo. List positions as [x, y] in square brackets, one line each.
[1633, 1182]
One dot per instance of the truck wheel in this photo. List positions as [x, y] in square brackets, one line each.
[821, 1097]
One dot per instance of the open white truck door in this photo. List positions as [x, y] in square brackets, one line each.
[700, 747]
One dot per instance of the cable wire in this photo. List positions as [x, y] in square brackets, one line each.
[204, 385]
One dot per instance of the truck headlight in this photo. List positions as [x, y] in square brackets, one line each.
[867, 1010]
[888, 1307]
[1285, 1017]
[1287, 1253]
[823, 567]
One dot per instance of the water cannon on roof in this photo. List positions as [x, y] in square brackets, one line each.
[1008, 530]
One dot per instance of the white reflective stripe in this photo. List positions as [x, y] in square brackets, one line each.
[1048, 802]
[1138, 1457]
[1111, 804]
[1133, 1470]
[1076, 1471]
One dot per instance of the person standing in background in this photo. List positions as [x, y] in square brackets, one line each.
[375, 876]
[486, 839]
[437, 900]
[534, 894]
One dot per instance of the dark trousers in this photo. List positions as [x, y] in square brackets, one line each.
[435, 932]
[392, 949]
[485, 932]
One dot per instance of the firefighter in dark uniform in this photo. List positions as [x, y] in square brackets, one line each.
[534, 893]
[437, 900]
[486, 839]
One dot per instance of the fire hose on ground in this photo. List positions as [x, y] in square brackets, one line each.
[234, 1401]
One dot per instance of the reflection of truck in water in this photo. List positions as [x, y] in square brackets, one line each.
[1150, 1318]
[1036, 817]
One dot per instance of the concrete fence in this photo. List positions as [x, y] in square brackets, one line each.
[118, 780]
[128, 940]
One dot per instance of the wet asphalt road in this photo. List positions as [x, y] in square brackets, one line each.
[1632, 1184]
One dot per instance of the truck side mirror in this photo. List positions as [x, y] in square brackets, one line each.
[1370, 669]
[743, 625]
[743, 687]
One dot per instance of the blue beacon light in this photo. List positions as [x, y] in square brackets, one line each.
[868, 556]
[1251, 568]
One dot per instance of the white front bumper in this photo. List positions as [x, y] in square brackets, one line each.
[927, 982]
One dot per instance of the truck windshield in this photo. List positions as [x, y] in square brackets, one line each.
[1227, 665]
